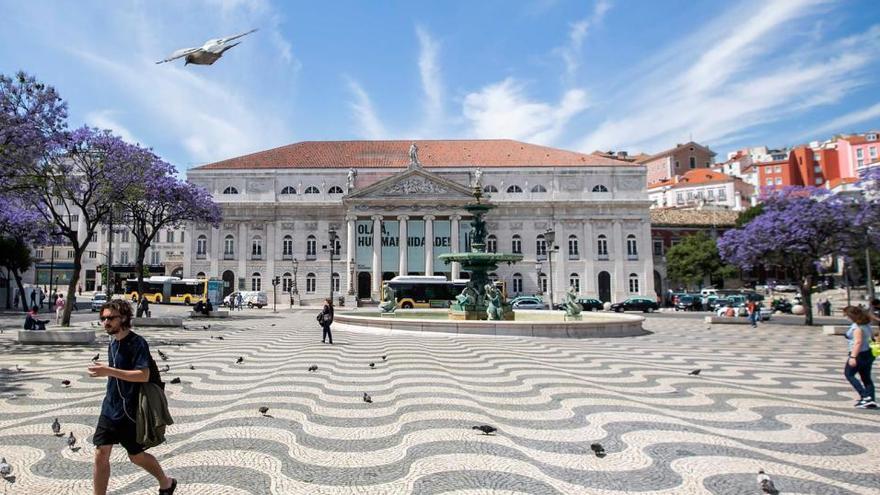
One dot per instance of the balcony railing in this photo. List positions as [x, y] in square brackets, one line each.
[603, 257]
[632, 257]
[228, 256]
[287, 256]
[256, 256]
[574, 256]
[201, 256]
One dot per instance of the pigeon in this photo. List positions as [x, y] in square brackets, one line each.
[96, 358]
[18, 368]
[597, 449]
[486, 429]
[765, 483]
[205, 327]
[66, 383]
[220, 338]
[313, 367]
[71, 441]
[56, 427]
[175, 380]
[165, 369]
[384, 356]
[367, 398]
[5, 468]
[695, 372]
[192, 367]
[162, 355]
[264, 410]
[372, 365]
[272, 325]
[239, 360]
[208, 53]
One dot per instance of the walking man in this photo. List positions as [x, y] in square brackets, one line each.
[129, 366]
[752, 308]
[59, 309]
[325, 318]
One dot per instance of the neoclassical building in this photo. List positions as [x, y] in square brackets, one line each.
[395, 208]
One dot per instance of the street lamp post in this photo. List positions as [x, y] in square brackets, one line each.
[275, 282]
[332, 235]
[294, 291]
[550, 238]
[538, 266]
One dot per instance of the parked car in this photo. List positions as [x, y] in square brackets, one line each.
[98, 300]
[785, 288]
[590, 304]
[782, 305]
[689, 302]
[528, 302]
[248, 298]
[645, 304]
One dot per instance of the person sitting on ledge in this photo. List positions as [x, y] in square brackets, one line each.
[31, 322]
[208, 308]
[199, 307]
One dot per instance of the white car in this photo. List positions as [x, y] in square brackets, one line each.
[248, 298]
[98, 300]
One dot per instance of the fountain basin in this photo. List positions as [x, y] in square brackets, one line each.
[528, 323]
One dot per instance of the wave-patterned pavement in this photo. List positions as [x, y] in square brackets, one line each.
[771, 398]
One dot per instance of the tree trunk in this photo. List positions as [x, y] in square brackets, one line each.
[139, 266]
[71, 288]
[807, 298]
[24, 299]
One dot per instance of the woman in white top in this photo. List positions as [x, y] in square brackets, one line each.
[860, 359]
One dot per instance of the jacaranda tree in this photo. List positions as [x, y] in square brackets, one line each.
[798, 227]
[20, 229]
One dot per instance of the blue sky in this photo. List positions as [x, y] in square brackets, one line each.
[583, 75]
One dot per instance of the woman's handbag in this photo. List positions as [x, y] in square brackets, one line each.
[875, 348]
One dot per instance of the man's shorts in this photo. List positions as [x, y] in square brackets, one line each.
[109, 432]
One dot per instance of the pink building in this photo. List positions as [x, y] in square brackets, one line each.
[856, 152]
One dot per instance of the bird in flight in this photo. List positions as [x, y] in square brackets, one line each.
[208, 53]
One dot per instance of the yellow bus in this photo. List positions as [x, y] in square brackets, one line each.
[413, 291]
[158, 289]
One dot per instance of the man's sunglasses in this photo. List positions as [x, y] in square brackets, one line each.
[105, 318]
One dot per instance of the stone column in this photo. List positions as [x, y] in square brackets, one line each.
[243, 252]
[270, 260]
[453, 225]
[350, 251]
[189, 229]
[429, 245]
[618, 281]
[377, 255]
[589, 287]
[402, 238]
[646, 257]
[216, 252]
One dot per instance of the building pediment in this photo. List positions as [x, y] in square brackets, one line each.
[413, 184]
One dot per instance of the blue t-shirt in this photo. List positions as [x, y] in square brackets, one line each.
[866, 336]
[130, 353]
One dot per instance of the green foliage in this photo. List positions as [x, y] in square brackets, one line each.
[15, 255]
[695, 258]
[748, 214]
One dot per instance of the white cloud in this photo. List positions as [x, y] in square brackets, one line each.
[844, 123]
[106, 119]
[432, 85]
[726, 79]
[503, 110]
[571, 51]
[368, 125]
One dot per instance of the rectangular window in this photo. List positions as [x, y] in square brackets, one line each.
[769, 181]
[38, 254]
[576, 283]
[70, 254]
[182, 232]
[817, 169]
[816, 157]
[123, 236]
[169, 236]
[779, 181]
[123, 257]
[74, 219]
[722, 195]
[693, 162]
[93, 255]
[872, 151]
[658, 247]
[778, 169]
[517, 285]
[861, 163]
[860, 153]
[818, 181]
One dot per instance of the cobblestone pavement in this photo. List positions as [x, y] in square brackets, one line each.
[771, 398]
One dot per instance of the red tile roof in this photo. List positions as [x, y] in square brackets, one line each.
[840, 181]
[395, 154]
[701, 176]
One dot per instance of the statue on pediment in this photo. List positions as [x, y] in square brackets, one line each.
[414, 155]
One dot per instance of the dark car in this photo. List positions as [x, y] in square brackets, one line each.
[645, 304]
[782, 305]
[689, 302]
[590, 304]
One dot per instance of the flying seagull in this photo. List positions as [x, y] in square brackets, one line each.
[208, 53]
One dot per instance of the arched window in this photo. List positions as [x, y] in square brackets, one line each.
[288, 190]
[600, 188]
[335, 190]
[492, 244]
[575, 281]
[542, 283]
[230, 190]
[539, 189]
[202, 245]
[602, 246]
[257, 247]
[256, 281]
[287, 246]
[517, 283]
[286, 282]
[310, 283]
[632, 250]
[311, 247]
[490, 189]
[201, 275]
[541, 247]
[229, 245]
[573, 248]
[335, 280]
[514, 189]
[516, 244]
[633, 283]
[312, 190]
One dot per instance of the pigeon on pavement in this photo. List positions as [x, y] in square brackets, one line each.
[367, 398]
[18, 368]
[384, 356]
[372, 365]
[175, 380]
[66, 383]
[695, 372]
[56, 427]
[264, 410]
[165, 369]
[208, 53]
[765, 483]
[71, 441]
[486, 429]
[597, 449]
[5, 468]
[97, 357]
[192, 367]
[239, 360]
[162, 355]
[313, 367]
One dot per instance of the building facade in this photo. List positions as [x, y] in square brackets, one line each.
[395, 208]
[699, 188]
[676, 161]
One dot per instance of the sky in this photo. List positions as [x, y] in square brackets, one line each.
[633, 75]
